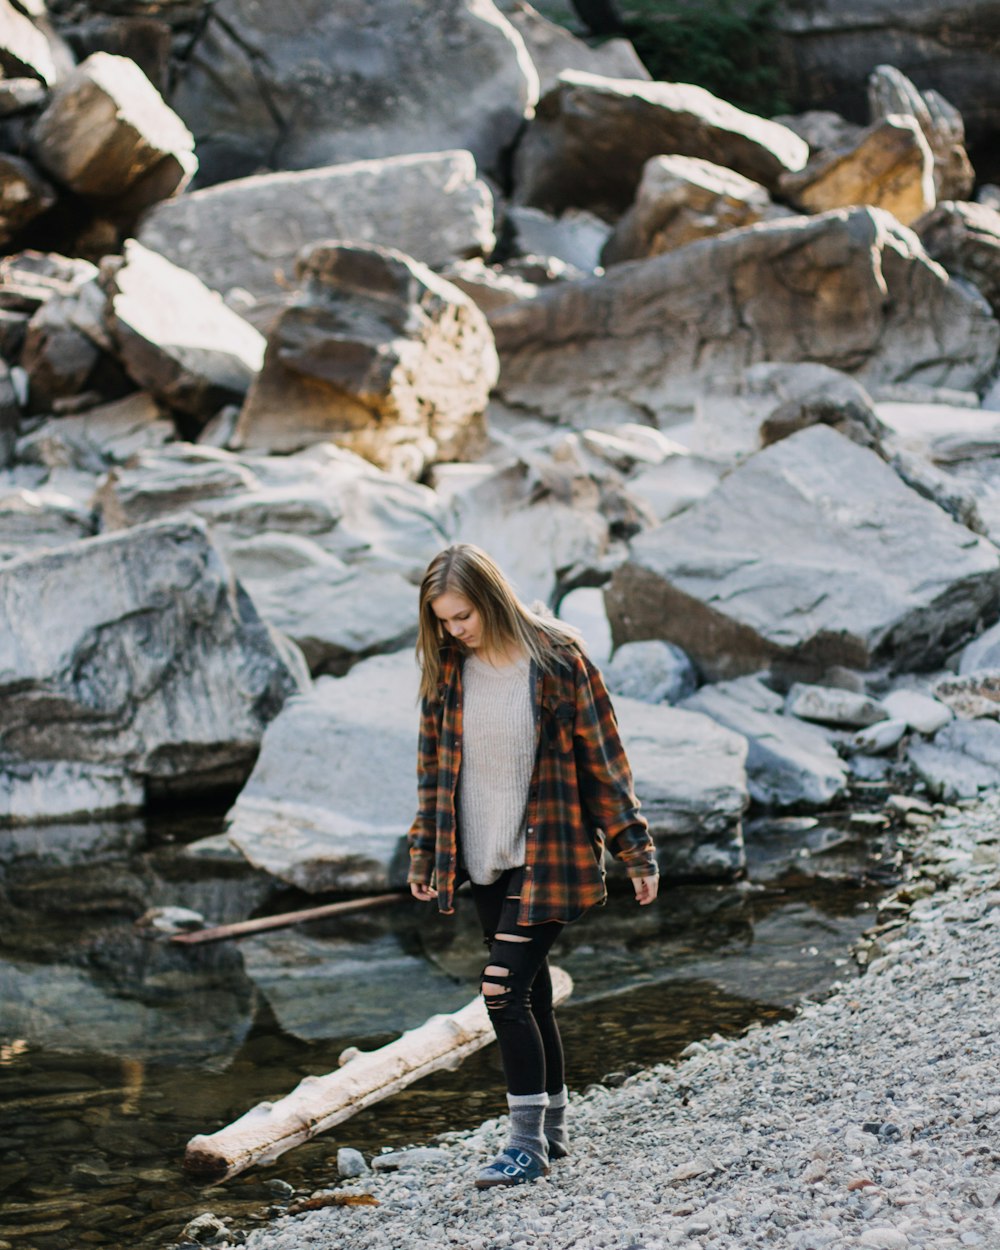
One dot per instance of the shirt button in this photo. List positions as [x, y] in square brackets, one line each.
[531, 829]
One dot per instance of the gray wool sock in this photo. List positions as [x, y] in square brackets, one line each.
[527, 1115]
[556, 1133]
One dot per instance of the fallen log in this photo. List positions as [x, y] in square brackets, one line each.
[284, 920]
[317, 1103]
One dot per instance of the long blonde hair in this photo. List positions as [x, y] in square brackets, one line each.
[467, 570]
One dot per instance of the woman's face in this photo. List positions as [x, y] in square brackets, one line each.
[458, 617]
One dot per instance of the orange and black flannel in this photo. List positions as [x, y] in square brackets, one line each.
[580, 798]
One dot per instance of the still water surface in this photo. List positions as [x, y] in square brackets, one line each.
[116, 1048]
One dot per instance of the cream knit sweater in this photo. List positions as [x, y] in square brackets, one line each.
[498, 757]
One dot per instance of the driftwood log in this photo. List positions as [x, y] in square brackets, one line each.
[365, 1077]
[240, 928]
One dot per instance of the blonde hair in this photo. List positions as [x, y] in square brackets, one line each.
[506, 622]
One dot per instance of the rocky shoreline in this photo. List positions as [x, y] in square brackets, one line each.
[869, 1120]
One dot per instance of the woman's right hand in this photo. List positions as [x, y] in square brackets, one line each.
[422, 892]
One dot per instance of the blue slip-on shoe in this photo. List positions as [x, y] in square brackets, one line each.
[512, 1167]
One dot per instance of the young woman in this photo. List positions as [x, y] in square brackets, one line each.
[521, 780]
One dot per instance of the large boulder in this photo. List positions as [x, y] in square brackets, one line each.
[591, 137]
[306, 83]
[811, 553]
[107, 135]
[965, 239]
[161, 676]
[334, 788]
[852, 289]
[174, 336]
[245, 235]
[891, 92]
[888, 166]
[831, 46]
[788, 764]
[681, 199]
[377, 354]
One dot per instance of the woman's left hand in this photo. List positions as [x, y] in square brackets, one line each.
[645, 889]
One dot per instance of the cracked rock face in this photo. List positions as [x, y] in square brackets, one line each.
[851, 289]
[811, 553]
[162, 672]
[307, 83]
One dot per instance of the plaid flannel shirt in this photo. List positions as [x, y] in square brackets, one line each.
[580, 798]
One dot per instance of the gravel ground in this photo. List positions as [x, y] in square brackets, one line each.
[871, 1120]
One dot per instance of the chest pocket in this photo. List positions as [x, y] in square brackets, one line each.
[558, 720]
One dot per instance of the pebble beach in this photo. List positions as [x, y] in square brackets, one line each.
[871, 1119]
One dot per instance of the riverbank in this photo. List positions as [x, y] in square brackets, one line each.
[870, 1120]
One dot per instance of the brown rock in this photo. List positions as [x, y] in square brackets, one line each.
[379, 355]
[681, 199]
[108, 136]
[890, 166]
[890, 92]
[591, 137]
[24, 195]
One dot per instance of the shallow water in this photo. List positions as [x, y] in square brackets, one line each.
[116, 1048]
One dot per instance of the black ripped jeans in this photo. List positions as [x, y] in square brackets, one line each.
[522, 1015]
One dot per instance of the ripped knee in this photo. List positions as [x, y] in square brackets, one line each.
[496, 988]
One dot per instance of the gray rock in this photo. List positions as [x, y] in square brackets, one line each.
[889, 166]
[553, 48]
[891, 92]
[788, 764]
[962, 761]
[982, 653]
[830, 706]
[822, 129]
[806, 582]
[351, 1163]
[920, 711]
[965, 239]
[972, 694]
[332, 793]
[10, 415]
[879, 738]
[108, 136]
[809, 394]
[33, 521]
[60, 361]
[246, 234]
[488, 286]
[24, 195]
[689, 774]
[681, 199]
[377, 354]
[653, 672]
[577, 237]
[946, 434]
[629, 122]
[174, 336]
[329, 496]
[309, 84]
[641, 343]
[416, 1157]
[20, 94]
[163, 674]
[105, 434]
[949, 492]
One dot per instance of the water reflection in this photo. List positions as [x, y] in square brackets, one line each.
[116, 1048]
